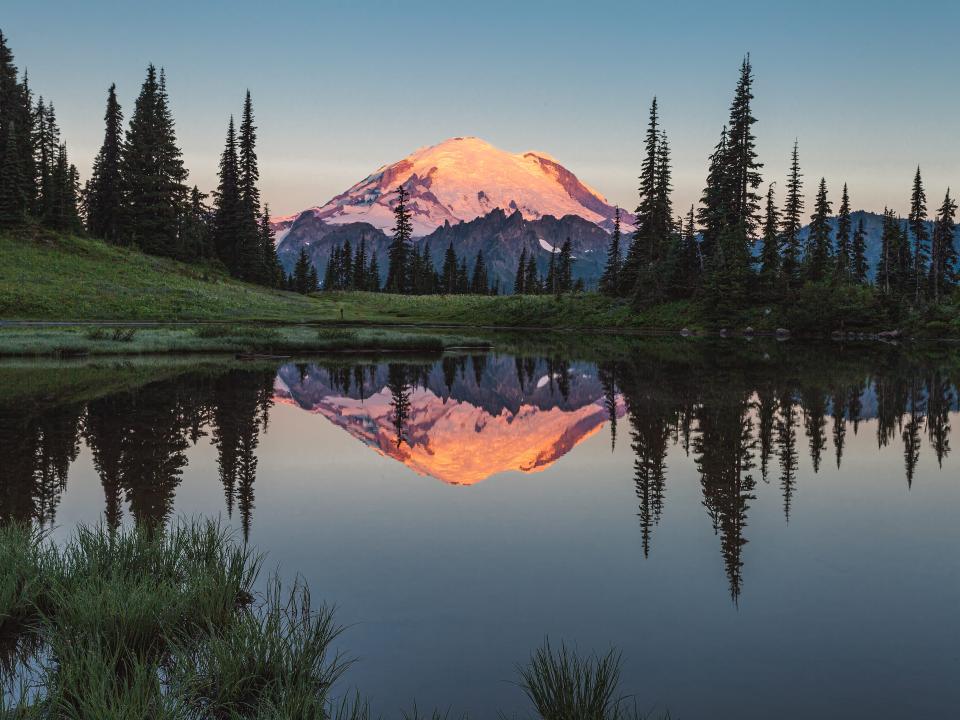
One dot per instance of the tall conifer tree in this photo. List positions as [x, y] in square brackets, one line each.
[817, 259]
[105, 196]
[792, 222]
[610, 280]
[398, 271]
[943, 260]
[918, 230]
[858, 266]
[770, 247]
[844, 254]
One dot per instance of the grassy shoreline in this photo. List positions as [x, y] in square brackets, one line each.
[254, 340]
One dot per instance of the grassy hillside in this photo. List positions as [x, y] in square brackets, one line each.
[46, 276]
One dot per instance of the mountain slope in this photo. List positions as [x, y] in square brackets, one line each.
[464, 178]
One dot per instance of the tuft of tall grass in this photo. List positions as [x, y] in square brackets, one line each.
[562, 685]
[273, 660]
[27, 565]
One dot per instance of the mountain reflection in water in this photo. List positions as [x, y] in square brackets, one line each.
[462, 419]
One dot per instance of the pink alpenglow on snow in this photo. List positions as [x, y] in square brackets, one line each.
[465, 178]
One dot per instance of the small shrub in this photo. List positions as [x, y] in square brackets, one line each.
[97, 333]
[123, 334]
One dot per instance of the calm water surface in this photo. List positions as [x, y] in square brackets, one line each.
[765, 531]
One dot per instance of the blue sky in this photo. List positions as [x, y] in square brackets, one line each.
[339, 88]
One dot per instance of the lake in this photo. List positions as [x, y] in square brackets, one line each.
[765, 530]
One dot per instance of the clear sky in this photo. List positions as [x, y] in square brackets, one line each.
[870, 89]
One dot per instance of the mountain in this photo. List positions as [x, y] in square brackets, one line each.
[463, 426]
[501, 237]
[462, 179]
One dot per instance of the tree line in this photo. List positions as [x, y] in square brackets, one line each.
[137, 194]
[740, 247]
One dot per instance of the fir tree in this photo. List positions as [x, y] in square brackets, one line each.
[47, 149]
[564, 268]
[918, 230]
[531, 283]
[13, 201]
[714, 200]
[313, 282]
[398, 271]
[521, 273]
[654, 216]
[373, 275]
[791, 223]
[770, 247]
[689, 263]
[105, 197]
[463, 277]
[194, 236]
[844, 256]
[610, 280]
[228, 219]
[743, 167]
[858, 266]
[152, 171]
[346, 266]
[448, 274]
[480, 284]
[248, 173]
[301, 273]
[272, 273]
[16, 134]
[360, 266]
[817, 257]
[943, 256]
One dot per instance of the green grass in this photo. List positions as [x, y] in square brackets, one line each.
[235, 338]
[48, 276]
[163, 623]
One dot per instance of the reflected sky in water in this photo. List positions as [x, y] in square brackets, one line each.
[763, 534]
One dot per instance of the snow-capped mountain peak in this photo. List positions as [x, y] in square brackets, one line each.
[464, 178]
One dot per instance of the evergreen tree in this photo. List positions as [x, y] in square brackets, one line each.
[521, 273]
[272, 273]
[373, 275]
[398, 271]
[313, 282]
[16, 135]
[858, 267]
[228, 219]
[248, 173]
[689, 263]
[13, 201]
[330, 277]
[301, 273]
[531, 283]
[551, 284]
[610, 280]
[463, 277]
[152, 171]
[770, 247]
[448, 274]
[47, 146]
[817, 256]
[918, 229]
[844, 256]
[943, 256]
[346, 266]
[480, 284]
[360, 266]
[194, 236]
[641, 272]
[743, 167]
[105, 196]
[714, 200]
[791, 223]
[564, 268]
